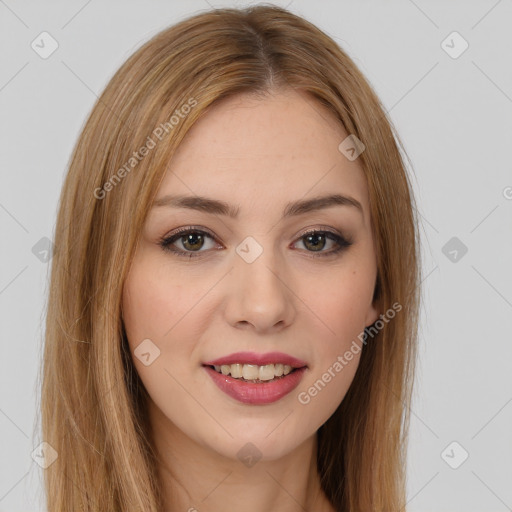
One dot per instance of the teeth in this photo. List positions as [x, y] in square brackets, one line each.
[266, 372]
[250, 372]
[236, 370]
[254, 372]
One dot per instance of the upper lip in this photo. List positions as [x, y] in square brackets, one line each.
[257, 359]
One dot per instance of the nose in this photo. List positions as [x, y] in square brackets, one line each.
[260, 295]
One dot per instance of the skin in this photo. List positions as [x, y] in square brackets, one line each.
[258, 154]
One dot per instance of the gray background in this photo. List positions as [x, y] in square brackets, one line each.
[455, 118]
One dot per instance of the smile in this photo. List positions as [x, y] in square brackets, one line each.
[254, 378]
[254, 373]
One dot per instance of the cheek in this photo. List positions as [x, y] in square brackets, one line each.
[340, 306]
[160, 310]
[167, 308]
[155, 306]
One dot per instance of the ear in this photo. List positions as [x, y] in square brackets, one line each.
[375, 308]
[373, 313]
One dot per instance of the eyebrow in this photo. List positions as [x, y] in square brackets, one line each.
[217, 207]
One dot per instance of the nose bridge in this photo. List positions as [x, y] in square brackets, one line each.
[256, 265]
[260, 295]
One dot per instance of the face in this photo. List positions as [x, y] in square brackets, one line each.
[274, 278]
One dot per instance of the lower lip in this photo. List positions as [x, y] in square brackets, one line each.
[256, 393]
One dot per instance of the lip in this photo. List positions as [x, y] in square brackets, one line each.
[258, 359]
[256, 393]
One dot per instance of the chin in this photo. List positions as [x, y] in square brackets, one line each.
[258, 444]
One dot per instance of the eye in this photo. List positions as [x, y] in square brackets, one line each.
[317, 240]
[192, 240]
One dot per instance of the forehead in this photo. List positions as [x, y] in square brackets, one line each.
[265, 151]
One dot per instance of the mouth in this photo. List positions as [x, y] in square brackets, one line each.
[256, 379]
[255, 373]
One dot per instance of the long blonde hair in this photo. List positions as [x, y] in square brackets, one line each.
[92, 401]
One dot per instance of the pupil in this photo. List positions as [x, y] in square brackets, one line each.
[191, 239]
[313, 237]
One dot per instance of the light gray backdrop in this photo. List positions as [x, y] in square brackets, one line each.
[443, 71]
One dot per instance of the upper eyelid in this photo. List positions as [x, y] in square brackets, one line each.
[167, 240]
[315, 227]
[306, 231]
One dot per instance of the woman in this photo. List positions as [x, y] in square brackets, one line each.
[234, 295]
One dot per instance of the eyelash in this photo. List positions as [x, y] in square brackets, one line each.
[167, 241]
